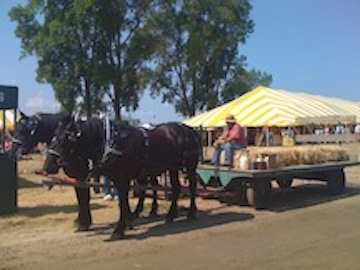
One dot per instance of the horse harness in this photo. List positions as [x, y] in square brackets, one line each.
[146, 153]
[111, 142]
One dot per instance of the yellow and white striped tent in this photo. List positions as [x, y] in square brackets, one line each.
[9, 119]
[279, 108]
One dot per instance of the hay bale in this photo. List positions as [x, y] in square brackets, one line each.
[208, 152]
[332, 153]
[307, 155]
[290, 155]
[285, 155]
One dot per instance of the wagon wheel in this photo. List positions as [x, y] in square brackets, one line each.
[238, 187]
[336, 181]
[284, 182]
[259, 193]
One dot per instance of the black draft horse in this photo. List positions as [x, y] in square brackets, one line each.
[31, 130]
[134, 153]
[75, 160]
[73, 151]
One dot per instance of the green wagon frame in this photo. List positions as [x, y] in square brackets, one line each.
[256, 184]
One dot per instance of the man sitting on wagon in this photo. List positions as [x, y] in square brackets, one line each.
[232, 138]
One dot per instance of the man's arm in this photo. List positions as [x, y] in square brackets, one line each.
[224, 134]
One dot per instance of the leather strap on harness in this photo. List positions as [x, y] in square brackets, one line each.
[146, 143]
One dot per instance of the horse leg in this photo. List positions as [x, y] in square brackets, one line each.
[192, 186]
[123, 188]
[175, 187]
[142, 194]
[84, 219]
[141, 191]
[154, 205]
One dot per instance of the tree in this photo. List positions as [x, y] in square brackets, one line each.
[128, 46]
[87, 49]
[199, 51]
[91, 51]
[53, 32]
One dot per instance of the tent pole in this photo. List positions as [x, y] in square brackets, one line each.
[259, 142]
[209, 138]
[201, 145]
[267, 136]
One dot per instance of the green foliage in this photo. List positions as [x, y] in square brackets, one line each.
[199, 51]
[95, 50]
[87, 49]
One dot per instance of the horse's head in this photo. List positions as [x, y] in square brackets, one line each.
[26, 135]
[65, 151]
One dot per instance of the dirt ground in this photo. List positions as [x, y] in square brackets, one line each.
[305, 228]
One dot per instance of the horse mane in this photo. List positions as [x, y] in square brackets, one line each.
[92, 137]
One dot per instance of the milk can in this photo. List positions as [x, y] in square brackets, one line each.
[244, 161]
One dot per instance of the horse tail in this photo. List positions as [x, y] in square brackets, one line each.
[192, 146]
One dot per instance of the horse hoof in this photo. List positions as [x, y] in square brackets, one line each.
[130, 225]
[115, 236]
[82, 228]
[134, 216]
[153, 215]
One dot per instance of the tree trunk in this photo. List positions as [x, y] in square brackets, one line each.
[87, 99]
[117, 106]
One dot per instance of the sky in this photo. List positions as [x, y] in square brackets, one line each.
[310, 46]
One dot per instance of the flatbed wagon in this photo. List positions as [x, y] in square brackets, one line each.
[256, 184]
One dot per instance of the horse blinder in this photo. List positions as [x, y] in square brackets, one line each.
[32, 125]
[73, 136]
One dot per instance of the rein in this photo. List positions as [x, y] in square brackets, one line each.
[12, 138]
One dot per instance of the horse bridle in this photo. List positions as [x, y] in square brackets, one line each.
[79, 156]
[55, 153]
[32, 125]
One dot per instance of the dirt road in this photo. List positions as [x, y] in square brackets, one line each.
[305, 228]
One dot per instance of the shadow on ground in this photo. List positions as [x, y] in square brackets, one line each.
[156, 227]
[24, 183]
[307, 195]
[43, 210]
